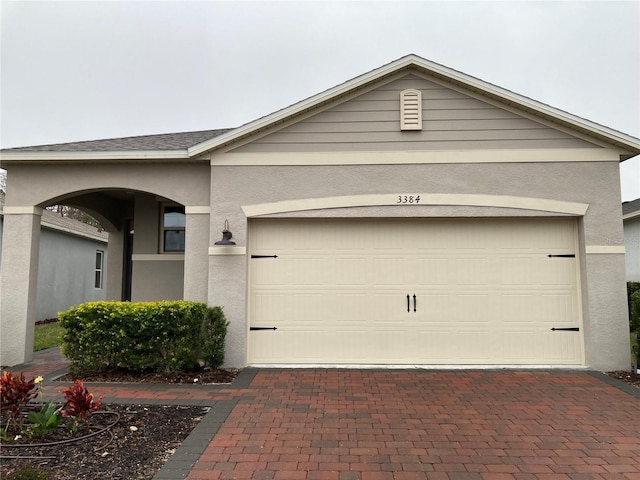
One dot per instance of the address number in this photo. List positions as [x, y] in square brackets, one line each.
[408, 199]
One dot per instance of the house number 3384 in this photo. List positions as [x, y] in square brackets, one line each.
[408, 199]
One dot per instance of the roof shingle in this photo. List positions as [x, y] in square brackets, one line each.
[631, 206]
[165, 141]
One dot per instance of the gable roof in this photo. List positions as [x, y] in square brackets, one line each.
[471, 84]
[631, 209]
[193, 144]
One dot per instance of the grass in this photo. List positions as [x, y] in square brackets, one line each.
[47, 335]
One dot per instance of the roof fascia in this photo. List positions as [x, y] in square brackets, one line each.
[631, 215]
[610, 136]
[76, 233]
[43, 156]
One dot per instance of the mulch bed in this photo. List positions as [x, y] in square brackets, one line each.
[626, 376]
[135, 449]
[204, 376]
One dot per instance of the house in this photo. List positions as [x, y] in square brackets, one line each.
[71, 263]
[414, 215]
[631, 222]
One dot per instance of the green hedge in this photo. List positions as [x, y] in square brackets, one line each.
[633, 296]
[166, 336]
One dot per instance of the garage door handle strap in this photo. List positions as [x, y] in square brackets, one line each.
[568, 329]
[414, 303]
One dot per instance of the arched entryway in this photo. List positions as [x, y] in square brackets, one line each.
[158, 236]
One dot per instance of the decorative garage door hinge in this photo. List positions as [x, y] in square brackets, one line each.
[564, 255]
[567, 329]
[262, 328]
[264, 256]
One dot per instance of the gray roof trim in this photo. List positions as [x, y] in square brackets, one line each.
[627, 143]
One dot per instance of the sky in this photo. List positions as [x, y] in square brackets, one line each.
[84, 70]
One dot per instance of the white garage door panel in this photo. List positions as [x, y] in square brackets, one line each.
[486, 291]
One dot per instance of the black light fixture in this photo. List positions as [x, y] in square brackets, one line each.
[226, 236]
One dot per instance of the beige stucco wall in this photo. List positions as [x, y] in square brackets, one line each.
[185, 183]
[588, 183]
[157, 280]
[222, 279]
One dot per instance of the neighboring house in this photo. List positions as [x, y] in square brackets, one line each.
[631, 219]
[411, 216]
[71, 263]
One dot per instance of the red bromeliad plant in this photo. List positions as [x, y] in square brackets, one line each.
[15, 393]
[80, 402]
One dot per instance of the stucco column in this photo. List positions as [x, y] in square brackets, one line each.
[196, 257]
[228, 284]
[18, 281]
[607, 335]
[115, 265]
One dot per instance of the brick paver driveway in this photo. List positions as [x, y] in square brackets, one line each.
[419, 424]
[396, 424]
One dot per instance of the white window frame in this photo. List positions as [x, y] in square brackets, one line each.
[164, 228]
[98, 279]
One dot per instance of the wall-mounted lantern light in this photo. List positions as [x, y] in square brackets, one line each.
[226, 236]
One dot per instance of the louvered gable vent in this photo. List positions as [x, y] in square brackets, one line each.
[410, 110]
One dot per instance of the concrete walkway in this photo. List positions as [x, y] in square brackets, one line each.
[396, 424]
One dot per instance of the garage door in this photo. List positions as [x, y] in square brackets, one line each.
[414, 291]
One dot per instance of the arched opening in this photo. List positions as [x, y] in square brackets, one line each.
[143, 259]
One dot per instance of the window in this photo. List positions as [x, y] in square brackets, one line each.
[410, 110]
[99, 269]
[173, 225]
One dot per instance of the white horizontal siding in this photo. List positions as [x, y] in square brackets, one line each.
[431, 125]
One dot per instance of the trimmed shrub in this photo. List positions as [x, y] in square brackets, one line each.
[634, 312]
[141, 336]
[633, 297]
[214, 332]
